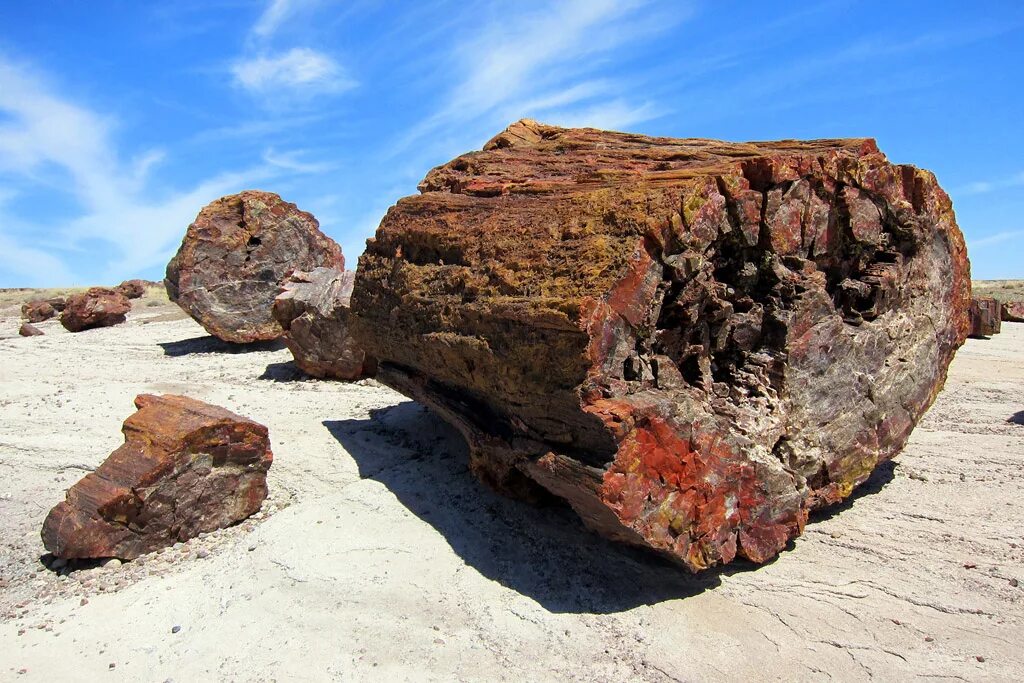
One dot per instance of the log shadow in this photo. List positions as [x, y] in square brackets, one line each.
[544, 553]
[285, 371]
[1017, 418]
[210, 344]
[882, 475]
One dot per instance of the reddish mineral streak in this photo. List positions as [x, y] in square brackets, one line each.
[693, 342]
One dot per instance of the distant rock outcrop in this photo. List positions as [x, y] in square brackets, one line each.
[693, 342]
[38, 311]
[313, 309]
[97, 307]
[236, 255]
[186, 467]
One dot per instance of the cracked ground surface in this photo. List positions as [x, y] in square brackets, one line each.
[379, 557]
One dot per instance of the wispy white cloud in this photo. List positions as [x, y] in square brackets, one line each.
[273, 16]
[292, 161]
[997, 238]
[986, 186]
[49, 141]
[299, 70]
[537, 64]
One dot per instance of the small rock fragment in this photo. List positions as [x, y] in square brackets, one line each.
[175, 629]
[29, 330]
[1013, 311]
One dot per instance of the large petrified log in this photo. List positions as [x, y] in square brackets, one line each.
[985, 316]
[96, 307]
[186, 467]
[313, 310]
[234, 258]
[693, 342]
[1013, 311]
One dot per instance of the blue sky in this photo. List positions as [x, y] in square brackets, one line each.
[120, 120]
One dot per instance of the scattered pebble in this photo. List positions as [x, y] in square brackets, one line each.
[112, 665]
[1014, 582]
[969, 565]
[929, 639]
[980, 658]
[112, 563]
[175, 629]
[251, 548]
[203, 554]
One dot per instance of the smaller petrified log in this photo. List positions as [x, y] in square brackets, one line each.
[313, 309]
[132, 289]
[186, 467]
[98, 307]
[984, 316]
[1013, 311]
[37, 311]
[236, 255]
[29, 330]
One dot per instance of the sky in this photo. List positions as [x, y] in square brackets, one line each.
[120, 120]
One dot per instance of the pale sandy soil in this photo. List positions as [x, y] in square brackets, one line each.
[378, 557]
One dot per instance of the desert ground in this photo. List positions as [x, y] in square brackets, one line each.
[379, 557]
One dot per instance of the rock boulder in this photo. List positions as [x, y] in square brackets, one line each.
[186, 467]
[234, 258]
[97, 307]
[693, 342]
[313, 310]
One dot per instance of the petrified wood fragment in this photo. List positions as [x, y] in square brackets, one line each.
[985, 316]
[186, 467]
[132, 289]
[37, 311]
[693, 342]
[234, 258]
[1013, 311]
[97, 307]
[313, 310]
[29, 330]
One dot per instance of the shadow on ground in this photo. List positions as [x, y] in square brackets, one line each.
[882, 475]
[544, 553]
[210, 344]
[285, 371]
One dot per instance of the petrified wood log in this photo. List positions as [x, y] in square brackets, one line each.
[1013, 311]
[97, 307]
[313, 310]
[186, 467]
[234, 258]
[132, 289]
[985, 316]
[693, 342]
[37, 311]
